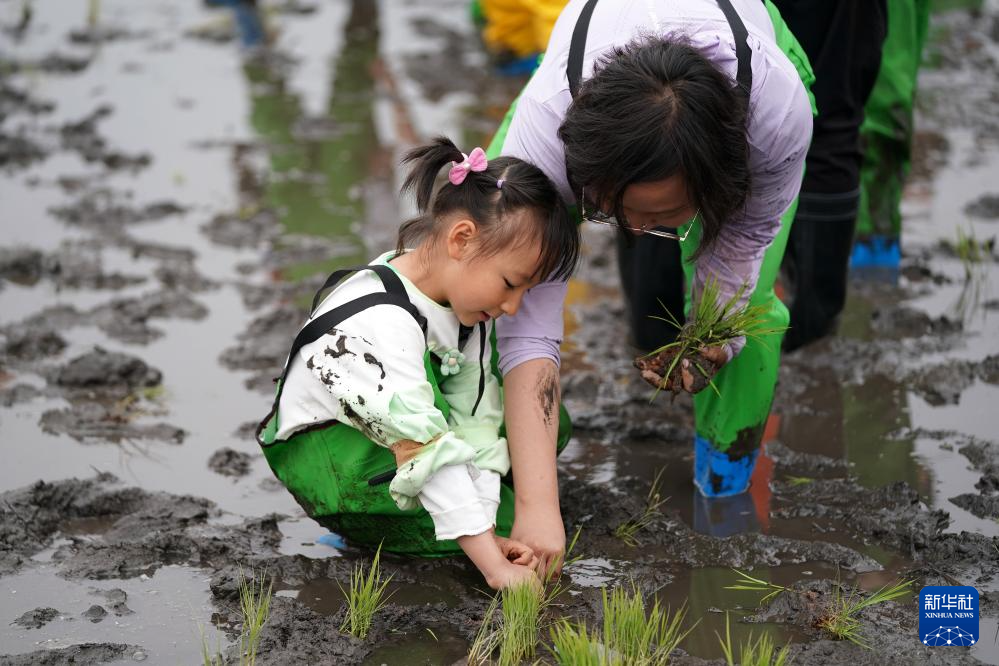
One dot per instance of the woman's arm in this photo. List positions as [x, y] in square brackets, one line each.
[532, 396]
[528, 347]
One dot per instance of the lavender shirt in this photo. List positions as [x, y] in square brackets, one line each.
[779, 130]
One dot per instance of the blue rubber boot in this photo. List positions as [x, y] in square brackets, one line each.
[876, 252]
[333, 540]
[519, 66]
[718, 475]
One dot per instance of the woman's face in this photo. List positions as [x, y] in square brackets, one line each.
[661, 203]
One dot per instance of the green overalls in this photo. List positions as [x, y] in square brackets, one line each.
[887, 136]
[729, 426]
[338, 475]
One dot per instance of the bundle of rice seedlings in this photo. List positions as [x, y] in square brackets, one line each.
[712, 325]
[630, 634]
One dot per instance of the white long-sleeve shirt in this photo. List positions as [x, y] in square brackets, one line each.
[369, 373]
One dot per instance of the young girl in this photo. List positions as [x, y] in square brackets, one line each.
[388, 425]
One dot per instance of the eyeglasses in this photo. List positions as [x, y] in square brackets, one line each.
[599, 217]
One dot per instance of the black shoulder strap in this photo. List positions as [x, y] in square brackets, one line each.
[743, 54]
[393, 284]
[577, 47]
[394, 294]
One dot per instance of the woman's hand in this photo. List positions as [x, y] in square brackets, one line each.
[692, 384]
[543, 532]
[517, 553]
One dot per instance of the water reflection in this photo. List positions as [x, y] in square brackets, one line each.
[318, 165]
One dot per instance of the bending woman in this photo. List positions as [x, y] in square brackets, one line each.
[687, 122]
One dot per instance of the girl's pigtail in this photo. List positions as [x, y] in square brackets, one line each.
[427, 162]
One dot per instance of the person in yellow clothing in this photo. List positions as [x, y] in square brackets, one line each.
[520, 27]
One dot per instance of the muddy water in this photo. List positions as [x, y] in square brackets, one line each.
[171, 192]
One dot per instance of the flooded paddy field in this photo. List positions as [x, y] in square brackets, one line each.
[171, 197]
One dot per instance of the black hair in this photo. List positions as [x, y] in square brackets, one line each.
[524, 186]
[654, 108]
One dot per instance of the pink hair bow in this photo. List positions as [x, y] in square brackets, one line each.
[474, 162]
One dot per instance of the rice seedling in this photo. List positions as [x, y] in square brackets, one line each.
[487, 638]
[971, 251]
[365, 597]
[759, 651]
[255, 607]
[514, 616]
[637, 635]
[628, 530]
[747, 582]
[842, 622]
[713, 324]
[210, 657]
[518, 639]
[574, 645]
[510, 624]
[93, 12]
[798, 480]
[629, 634]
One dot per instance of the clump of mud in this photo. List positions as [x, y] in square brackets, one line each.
[654, 370]
[71, 267]
[143, 531]
[230, 462]
[985, 207]
[263, 347]
[37, 618]
[82, 137]
[104, 370]
[84, 653]
[887, 628]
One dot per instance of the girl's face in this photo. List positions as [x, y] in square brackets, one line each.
[480, 288]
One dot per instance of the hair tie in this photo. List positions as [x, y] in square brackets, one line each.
[476, 161]
[499, 184]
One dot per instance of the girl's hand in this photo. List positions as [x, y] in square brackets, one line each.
[517, 553]
[510, 575]
[716, 355]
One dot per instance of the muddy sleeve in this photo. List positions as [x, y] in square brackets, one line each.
[476, 402]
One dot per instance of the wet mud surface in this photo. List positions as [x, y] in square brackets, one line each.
[161, 255]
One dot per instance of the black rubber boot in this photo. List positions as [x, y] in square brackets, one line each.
[817, 262]
[651, 273]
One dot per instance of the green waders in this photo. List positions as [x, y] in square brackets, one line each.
[339, 476]
[729, 426]
[887, 136]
